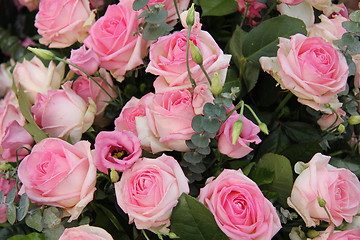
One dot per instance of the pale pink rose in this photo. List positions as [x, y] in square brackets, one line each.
[35, 78]
[320, 4]
[353, 234]
[84, 58]
[303, 11]
[197, 25]
[253, 10]
[87, 88]
[292, 2]
[328, 29]
[5, 79]
[311, 68]
[111, 37]
[132, 109]
[5, 185]
[85, 232]
[170, 8]
[248, 135]
[116, 149]
[30, 4]
[328, 120]
[168, 60]
[59, 174]
[239, 207]
[339, 187]
[150, 190]
[63, 22]
[169, 117]
[71, 117]
[201, 96]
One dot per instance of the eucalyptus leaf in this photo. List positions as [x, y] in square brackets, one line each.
[190, 144]
[200, 140]
[157, 16]
[352, 27]
[139, 4]
[23, 207]
[210, 124]
[54, 233]
[51, 217]
[204, 151]
[218, 7]
[196, 123]
[263, 40]
[193, 157]
[191, 220]
[209, 109]
[11, 213]
[154, 31]
[31, 236]
[355, 16]
[1, 197]
[197, 168]
[10, 197]
[33, 220]
[220, 112]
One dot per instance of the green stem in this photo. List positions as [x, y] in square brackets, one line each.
[247, 5]
[253, 113]
[144, 233]
[112, 87]
[177, 10]
[206, 74]
[337, 117]
[193, 83]
[283, 103]
[270, 9]
[88, 75]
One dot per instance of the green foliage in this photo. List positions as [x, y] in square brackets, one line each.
[139, 4]
[12, 230]
[12, 45]
[23, 208]
[31, 236]
[33, 220]
[218, 7]
[190, 220]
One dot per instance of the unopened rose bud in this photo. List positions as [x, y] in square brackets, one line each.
[322, 202]
[237, 128]
[45, 54]
[114, 175]
[354, 119]
[216, 85]
[312, 233]
[264, 128]
[196, 54]
[190, 18]
[341, 128]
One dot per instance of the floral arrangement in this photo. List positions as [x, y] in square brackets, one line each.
[179, 119]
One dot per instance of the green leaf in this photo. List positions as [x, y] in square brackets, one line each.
[196, 123]
[246, 170]
[54, 233]
[23, 207]
[200, 140]
[139, 4]
[301, 152]
[193, 157]
[51, 217]
[156, 17]
[283, 177]
[31, 236]
[236, 43]
[1, 197]
[218, 7]
[355, 16]
[11, 230]
[350, 162]
[30, 126]
[210, 124]
[10, 197]
[191, 220]
[301, 132]
[275, 142]
[262, 176]
[11, 213]
[250, 75]
[352, 27]
[33, 220]
[209, 109]
[197, 168]
[263, 40]
[154, 31]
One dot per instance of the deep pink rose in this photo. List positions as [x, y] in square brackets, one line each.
[353, 234]
[150, 190]
[330, 120]
[339, 187]
[59, 174]
[86, 59]
[169, 117]
[63, 22]
[116, 149]
[71, 117]
[168, 60]
[239, 207]
[87, 88]
[111, 37]
[132, 109]
[5, 185]
[201, 96]
[311, 68]
[85, 232]
[248, 135]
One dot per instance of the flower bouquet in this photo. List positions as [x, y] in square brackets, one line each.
[179, 119]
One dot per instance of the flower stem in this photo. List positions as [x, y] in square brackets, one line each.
[247, 5]
[283, 103]
[193, 83]
[206, 74]
[177, 9]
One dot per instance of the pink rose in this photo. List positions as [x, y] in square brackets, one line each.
[169, 117]
[197, 25]
[85, 232]
[248, 135]
[170, 8]
[201, 96]
[70, 118]
[132, 109]
[112, 39]
[59, 174]
[292, 2]
[239, 207]
[168, 60]
[330, 120]
[87, 88]
[329, 29]
[63, 22]
[253, 10]
[35, 78]
[339, 187]
[5, 185]
[86, 59]
[353, 234]
[116, 149]
[30, 4]
[311, 69]
[150, 190]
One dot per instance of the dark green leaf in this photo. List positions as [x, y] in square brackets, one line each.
[154, 31]
[193, 157]
[283, 177]
[23, 207]
[156, 17]
[263, 40]
[275, 142]
[272, 196]
[301, 132]
[209, 109]
[31, 236]
[196, 124]
[246, 170]
[218, 7]
[139, 4]
[54, 233]
[11, 213]
[301, 152]
[220, 112]
[262, 176]
[236, 44]
[191, 220]
[190, 144]
[33, 220]
[197, 168]
[210, 124]
[200, 140]
[9, 231]
[250, 75]
[10, 197]
[204, 151]
[349, 162]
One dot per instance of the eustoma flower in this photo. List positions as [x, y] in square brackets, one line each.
[150, 190]
[239, 207]
[59, 174]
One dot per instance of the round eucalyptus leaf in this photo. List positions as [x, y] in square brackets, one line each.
[139, 4]
[209, 109]
[204, 151]
[11, 213]
[196, 123]
[157, 16]
[200, 140]
[220, 111]
[10, 196]
[23, 207]
[193, 157]
[197, 168]
[210, 124]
